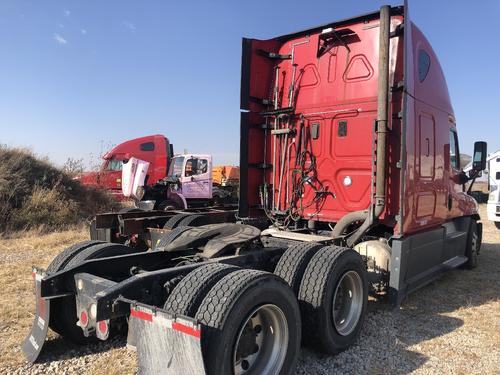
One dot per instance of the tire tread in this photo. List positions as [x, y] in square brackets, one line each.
[169, 237]
[189, 293]
[96, 251]
[216, 305]
[193, 221]
[312, 297]
[174, 221]
[293, 263]
[62, 259]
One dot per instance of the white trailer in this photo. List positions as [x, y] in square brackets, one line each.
[493, 206]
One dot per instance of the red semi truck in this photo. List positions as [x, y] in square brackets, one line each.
[350, 184]
[155, 149]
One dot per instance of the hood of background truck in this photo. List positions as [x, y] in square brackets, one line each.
[87, 178]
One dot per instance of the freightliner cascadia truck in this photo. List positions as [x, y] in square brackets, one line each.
[350, 185]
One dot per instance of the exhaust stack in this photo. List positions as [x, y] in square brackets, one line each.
[377, 207]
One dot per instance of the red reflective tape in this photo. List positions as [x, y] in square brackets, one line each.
[141, 315]
[186, 329]
[41, 306]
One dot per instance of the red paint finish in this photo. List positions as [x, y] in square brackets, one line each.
[338, 86]
[335, 88]
[154, 148]
[432, 194]
[335, 102]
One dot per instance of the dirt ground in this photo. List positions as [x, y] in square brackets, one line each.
[451, 326]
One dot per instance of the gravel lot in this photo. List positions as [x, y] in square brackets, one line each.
[451, 326]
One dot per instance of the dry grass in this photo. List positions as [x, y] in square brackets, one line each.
[451, 326]
[36, 195]
[17, 255]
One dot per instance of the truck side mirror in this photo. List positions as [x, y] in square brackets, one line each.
[480, 155]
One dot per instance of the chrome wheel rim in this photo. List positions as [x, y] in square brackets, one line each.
[347, 303]
[262, 342]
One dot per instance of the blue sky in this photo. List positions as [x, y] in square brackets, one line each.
[77, 76]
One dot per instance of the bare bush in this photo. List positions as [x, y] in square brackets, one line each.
[73, 167]
[34, 194]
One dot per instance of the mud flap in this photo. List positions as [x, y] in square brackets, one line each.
[33, 343]
[166, 345]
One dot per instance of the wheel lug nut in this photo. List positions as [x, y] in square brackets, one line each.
[257, 328]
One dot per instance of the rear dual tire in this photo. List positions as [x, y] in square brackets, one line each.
[333, 298]
[59, 305]
[169, 237]
[61, 259]
[63, 316]
[331, 285]
[252, 319]
[186, 220]
[174, 221]
[293, 263]
[188, 294]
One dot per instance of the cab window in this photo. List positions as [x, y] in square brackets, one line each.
[202, 166]
[196, 167]
[424, 62]
[147, 146]
[175, 169]
[114, 165]
[454, 153]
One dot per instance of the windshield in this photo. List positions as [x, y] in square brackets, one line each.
[114, 165]
[175, 169]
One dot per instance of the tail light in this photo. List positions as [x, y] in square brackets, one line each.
[84, 319]
[102, 330]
